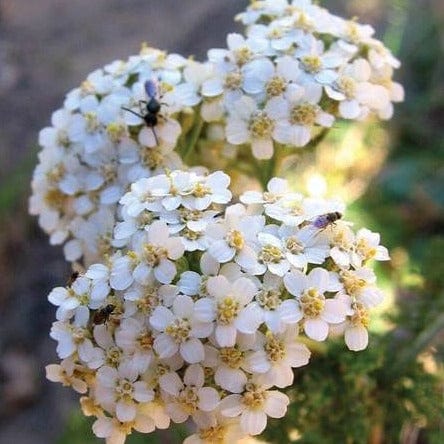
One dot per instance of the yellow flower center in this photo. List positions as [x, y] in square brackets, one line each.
[365, 250]
[353, 285]
[179, 330]
[254, 397]
[269, 299]
[312, 303]
[231, 356]
[352, 32]
[275, 348]
[261, 125]
[347, 86]
[54, 198]
[200, 190]
[79, 334]
[275, 86]
[190, 234]
[86, 87]
[235, 239]
[303, 21]
[233, 80]
[275, 33]
[92, 122]
[116, 131]
[360, 316]
[104, 245]
[227, 310]
[304, 114]
[152, 158]
[242, 55]
[311, 63]
[145, 340]
[294, 246]
[189, 215]
[148, 302]
[56, 173]
[153, 254]
[189, 399]
[124, 390]
[270, 254]
[113, 356]
[213, 435]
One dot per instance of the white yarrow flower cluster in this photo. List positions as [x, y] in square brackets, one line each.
[297, 69]
[97, 146]
[163, 332]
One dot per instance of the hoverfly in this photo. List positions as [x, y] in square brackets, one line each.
[324, 220]
[102, 316]
[149, 110]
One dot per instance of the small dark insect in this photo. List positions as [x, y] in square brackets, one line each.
[101, 316]
[151, 109]
[72, 278]
[324, 220]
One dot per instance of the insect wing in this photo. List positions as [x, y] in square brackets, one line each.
[321, 221]
[151, 88]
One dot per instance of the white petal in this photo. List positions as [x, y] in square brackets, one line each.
[192, 351]
[226, 335]
[316, 329]
[356, 337]
[208, 399]
[125, 412]
[276, 404]
[253, 422]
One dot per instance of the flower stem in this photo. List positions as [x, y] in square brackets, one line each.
[192, 139]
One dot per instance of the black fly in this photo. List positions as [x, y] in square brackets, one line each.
[101, 316]
[72, 278]
[149, 110]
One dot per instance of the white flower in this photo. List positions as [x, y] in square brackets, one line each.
[301, 113]
[215, 428]
[303, 247]
[120, 390]
[180, 330]
[188, 396]
[228, 307]
[233, 236]
[154, 255]
[279, 354]
[247, 123]
[316, 311]
[253, 407]
[277, 311]
[67, 374]
[136, 340]
[360, 284]
[116, 432]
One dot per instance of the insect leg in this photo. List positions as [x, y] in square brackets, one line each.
[132, 112]
[155, 135]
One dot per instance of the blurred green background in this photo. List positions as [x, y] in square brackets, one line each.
[391, 174]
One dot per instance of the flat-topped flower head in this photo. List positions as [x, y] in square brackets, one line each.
[97, 146]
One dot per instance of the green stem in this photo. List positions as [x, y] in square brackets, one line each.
[192, 139]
